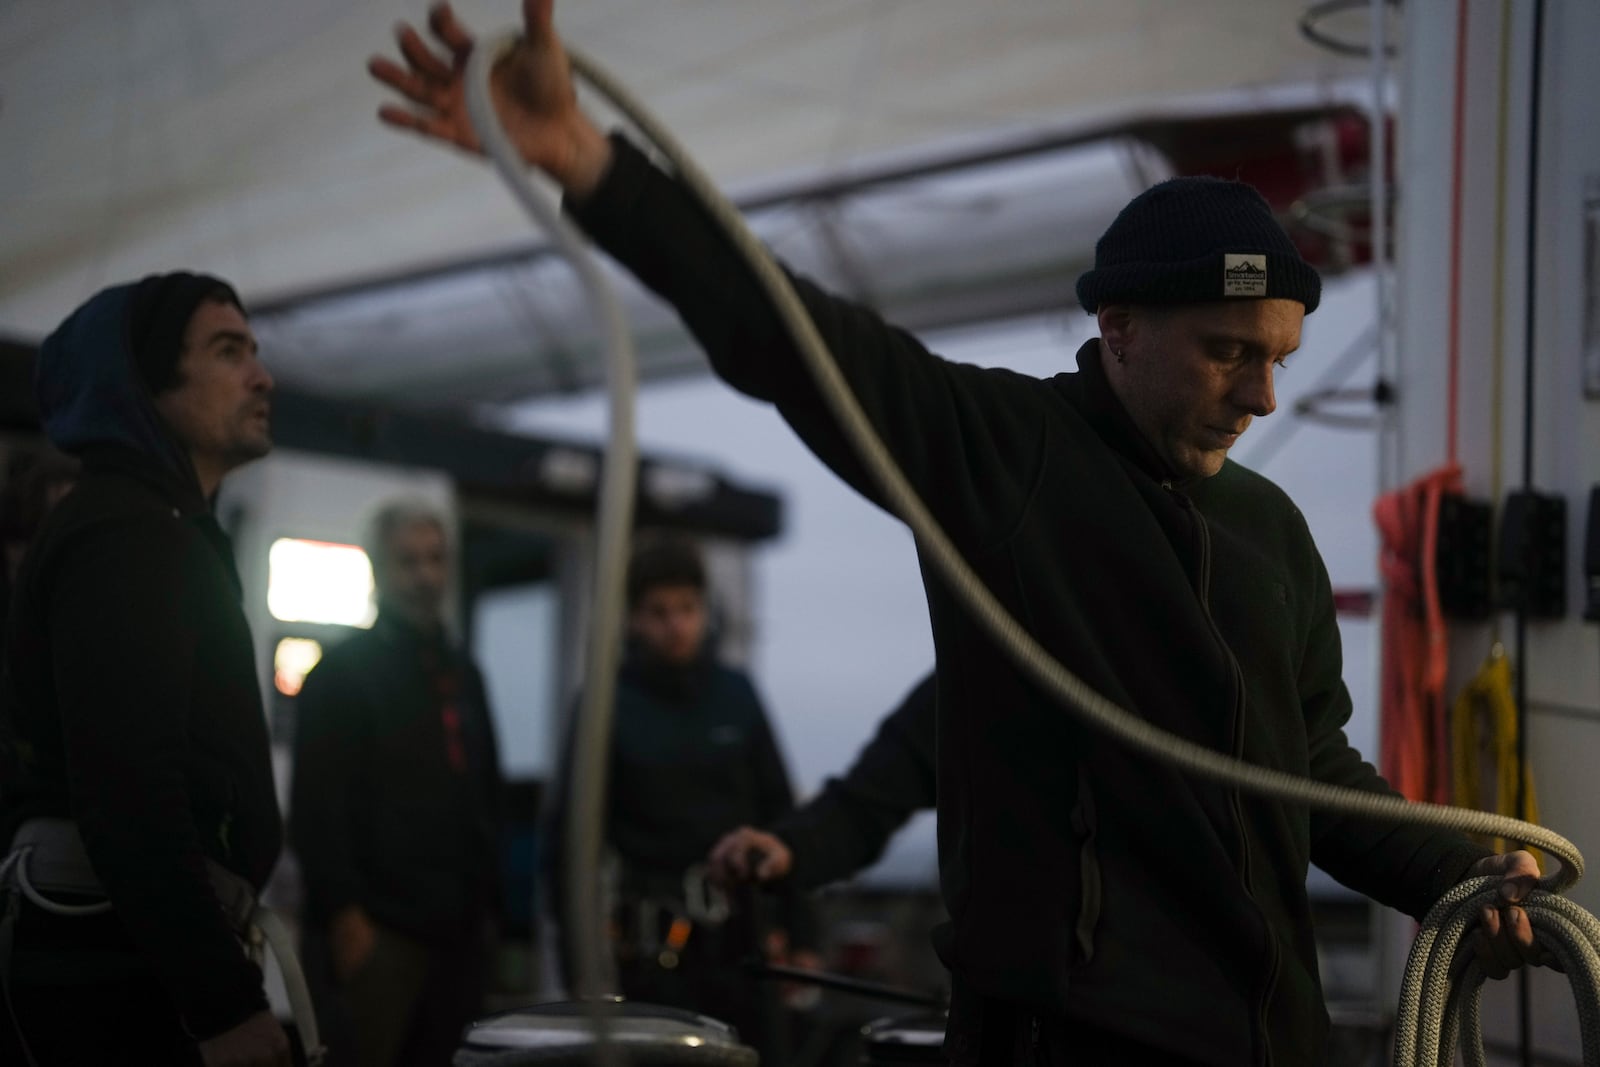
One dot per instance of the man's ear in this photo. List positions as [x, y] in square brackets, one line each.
[1116, 325]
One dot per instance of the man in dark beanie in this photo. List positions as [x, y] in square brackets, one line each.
[1103, 908]
[137, 785]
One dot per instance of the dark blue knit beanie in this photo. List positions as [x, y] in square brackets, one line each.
[1195, 240]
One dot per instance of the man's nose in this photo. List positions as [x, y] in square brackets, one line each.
[262, 381]
[1255, 393]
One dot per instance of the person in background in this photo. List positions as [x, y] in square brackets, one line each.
[692, 756]
[136, 762]
[36, 480]
[395, 813]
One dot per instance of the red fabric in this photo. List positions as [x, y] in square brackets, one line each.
[450, 716]
[446, 689]
[1415, 753]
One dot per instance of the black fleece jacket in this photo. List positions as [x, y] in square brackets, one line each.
[1081, 879]
[132, 706]
[379, 816]
[845, 827]
[130, 702]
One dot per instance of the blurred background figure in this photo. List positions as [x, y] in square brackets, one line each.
[395, 813]
[35, 481]
[693, 756]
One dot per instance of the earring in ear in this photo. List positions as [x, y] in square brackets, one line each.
[1119, 354]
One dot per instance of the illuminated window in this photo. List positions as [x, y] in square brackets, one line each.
[293, 660]
[314, 581]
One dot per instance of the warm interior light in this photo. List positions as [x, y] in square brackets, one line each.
[292, 661]
[316, 581]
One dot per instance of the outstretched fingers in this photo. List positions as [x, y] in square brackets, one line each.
[538, 19]
[445, 26]
[423, 60]
[406, 119]
[407, 83]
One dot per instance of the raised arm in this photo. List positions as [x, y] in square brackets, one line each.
[533, 95]
[971, 440]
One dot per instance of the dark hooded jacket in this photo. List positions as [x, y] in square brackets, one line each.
[1082, 880]
[380, 817]
[130, 702]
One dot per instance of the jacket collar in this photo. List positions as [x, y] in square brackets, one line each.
[673, 682]
[1090, 392]
[396, 629]
[178, 488]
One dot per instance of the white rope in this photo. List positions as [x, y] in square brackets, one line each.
[16, 864]
[592, 729]
[1442, 989]
[1425, 997]
[278, 939]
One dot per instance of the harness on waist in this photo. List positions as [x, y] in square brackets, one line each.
[47, 857]
[655, 912]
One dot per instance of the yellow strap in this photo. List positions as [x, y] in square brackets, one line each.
[1487, 699]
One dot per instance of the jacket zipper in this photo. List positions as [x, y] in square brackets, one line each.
[1236, 748]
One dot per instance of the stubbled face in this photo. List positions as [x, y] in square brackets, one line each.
[1194, 376]
[221, 407]
[671, 622]
[414, 572]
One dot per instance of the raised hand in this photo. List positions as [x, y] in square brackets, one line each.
[531, 87]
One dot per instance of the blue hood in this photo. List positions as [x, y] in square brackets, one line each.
[90, 394]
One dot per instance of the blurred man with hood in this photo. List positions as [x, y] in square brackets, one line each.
[131, 716]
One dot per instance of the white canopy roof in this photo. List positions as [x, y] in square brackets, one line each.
[240, 138]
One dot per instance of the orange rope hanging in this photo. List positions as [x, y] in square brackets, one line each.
[1415, 746]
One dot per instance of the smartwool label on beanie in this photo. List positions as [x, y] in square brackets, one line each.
[1244, 274]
